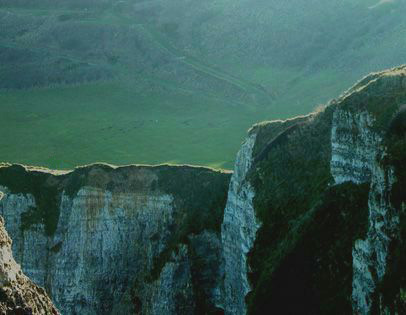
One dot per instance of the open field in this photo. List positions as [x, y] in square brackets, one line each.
[168, 82]
[65, 127]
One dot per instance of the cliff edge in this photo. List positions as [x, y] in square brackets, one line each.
[315, 219]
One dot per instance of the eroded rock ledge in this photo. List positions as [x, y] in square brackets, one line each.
[18, 295]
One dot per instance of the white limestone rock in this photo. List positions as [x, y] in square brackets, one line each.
[356, 153]
[238, 232]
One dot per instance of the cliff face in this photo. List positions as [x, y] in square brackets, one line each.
[238, 231]
[18, 295]
[104, 239]
[327, 194]
[358, 159]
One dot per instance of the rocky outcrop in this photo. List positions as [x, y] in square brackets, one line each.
[359, 145]
[320, 188]
[171, 293]
[103, 238]
[355, 149]
[189, 282]
[370, 254]
[357, 153]
[354, 146]
[238, 231]
[18, 295]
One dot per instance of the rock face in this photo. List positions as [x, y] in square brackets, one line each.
[18, 295]
[317, 204]
[361, 149]
[190, 282]
[354, 146]
[104, 240]
[238, 231]
[358, 159]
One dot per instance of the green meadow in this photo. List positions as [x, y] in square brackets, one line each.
[63, 127]
[126, 82]
[67, 126]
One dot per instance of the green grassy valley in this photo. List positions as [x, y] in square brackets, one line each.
[67, 126]
[176, 81]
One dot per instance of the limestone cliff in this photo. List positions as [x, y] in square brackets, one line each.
[105, 240]
[327, 192]
[238, 231]
[18, 295]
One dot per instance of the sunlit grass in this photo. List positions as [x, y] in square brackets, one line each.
[119, 123]
[109, 122]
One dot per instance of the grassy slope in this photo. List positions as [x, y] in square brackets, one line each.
[63, 127]
[112, 121]
[203, 74]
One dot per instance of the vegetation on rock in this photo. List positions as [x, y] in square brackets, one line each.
[18, 180]
[393, 286]
[303, 250]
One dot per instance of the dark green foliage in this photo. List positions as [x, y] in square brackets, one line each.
[396, 157]
[303, 249]
[397, 126]
[296, 170]
[288, 182]
[393, 286]
[381, 95]
[392, 289]
[205, 253]
[276, 141]
[18, 180]
[309, 269]
[74, 183]
[199, 200]
[200, 197]
[57, 247]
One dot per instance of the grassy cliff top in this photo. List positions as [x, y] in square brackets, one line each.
[108, 168]
[381, 94]
[197, 192]
[18, 178]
